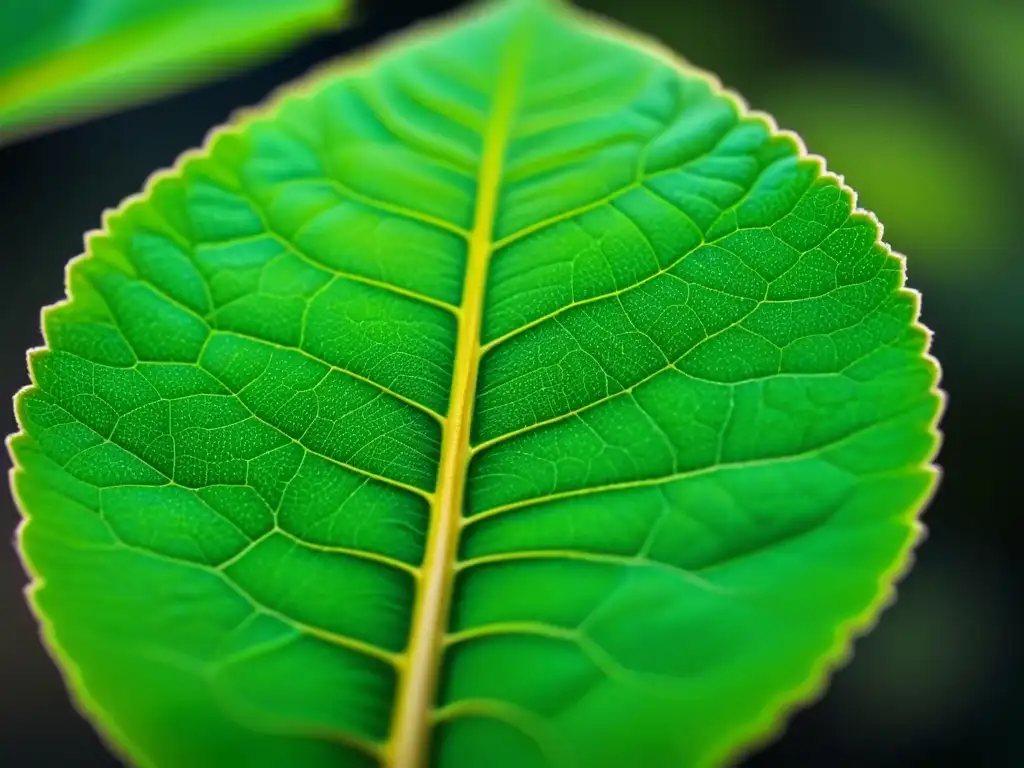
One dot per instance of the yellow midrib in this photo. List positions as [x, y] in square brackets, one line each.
[410, 727]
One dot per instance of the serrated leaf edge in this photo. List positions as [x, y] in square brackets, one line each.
[743, 739]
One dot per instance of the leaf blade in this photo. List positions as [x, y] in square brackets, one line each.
[722, 486]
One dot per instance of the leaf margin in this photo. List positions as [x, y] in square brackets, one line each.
[744, 739]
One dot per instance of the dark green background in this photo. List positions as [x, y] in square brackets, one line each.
[937, 683]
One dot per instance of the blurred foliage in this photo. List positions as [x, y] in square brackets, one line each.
[981, 43]
[911, 162]
[696, 29]
[63, 60]
[953, 625]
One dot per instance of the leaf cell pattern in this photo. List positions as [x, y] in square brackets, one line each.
[522, 277]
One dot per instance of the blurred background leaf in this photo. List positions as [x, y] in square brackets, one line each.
[704, 31]
[912, 162]
[920, 152]
[64, 60]
[981, 44]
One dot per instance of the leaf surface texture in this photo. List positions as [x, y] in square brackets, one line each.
[511, 397]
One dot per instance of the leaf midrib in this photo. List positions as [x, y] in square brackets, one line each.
[410, 727]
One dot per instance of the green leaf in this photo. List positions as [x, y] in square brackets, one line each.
[63, 60]
[510, 397]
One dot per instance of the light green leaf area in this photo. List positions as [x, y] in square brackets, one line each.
[62, 60]
[510, 397]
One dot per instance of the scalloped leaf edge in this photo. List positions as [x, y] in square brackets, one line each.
[753, 735]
